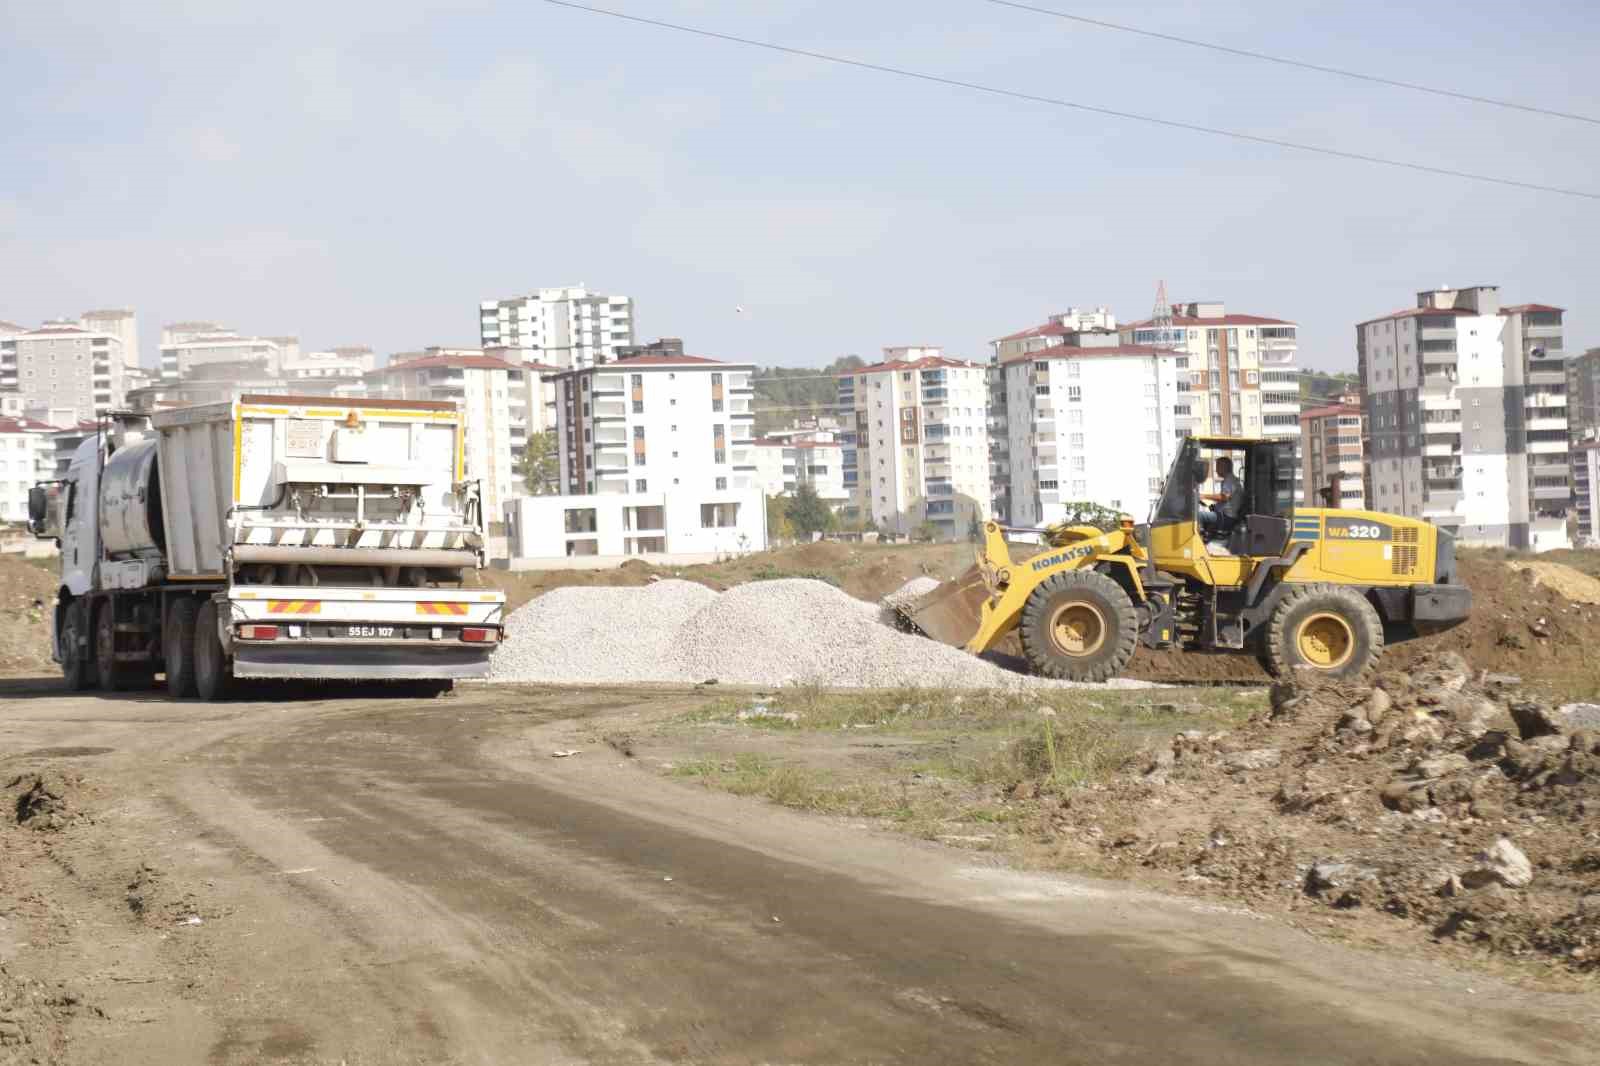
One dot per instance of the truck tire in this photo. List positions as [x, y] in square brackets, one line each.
[75, 665]
[179, 647]
[1330, 629]
[108, 672]
[213, 673]
[1078, 626]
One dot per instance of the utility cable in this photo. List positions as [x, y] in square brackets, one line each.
[1302, 64]
[1014, 94]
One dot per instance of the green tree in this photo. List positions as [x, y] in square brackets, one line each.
[778, 525]
[807, 513]
[541, 467]
[1088, 513]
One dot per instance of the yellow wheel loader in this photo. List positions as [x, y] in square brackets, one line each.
[1312, 587]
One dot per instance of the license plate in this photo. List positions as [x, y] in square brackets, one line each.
[369, 631]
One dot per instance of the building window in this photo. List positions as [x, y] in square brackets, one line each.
[638, 433]
[1074, 393]
[722, 484]
[1047, 486]
[640, 485]
[638, 407]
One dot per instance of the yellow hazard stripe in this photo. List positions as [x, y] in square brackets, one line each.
[294, 606]
[441, 608]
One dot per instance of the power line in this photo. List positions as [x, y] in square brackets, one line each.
[1090, 108]
[1284, 61]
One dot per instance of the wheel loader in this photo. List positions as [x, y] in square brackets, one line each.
[1301, 587]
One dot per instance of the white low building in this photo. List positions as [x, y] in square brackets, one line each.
[551, 532]
[27, 455]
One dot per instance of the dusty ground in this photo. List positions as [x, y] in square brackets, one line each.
[362, 880]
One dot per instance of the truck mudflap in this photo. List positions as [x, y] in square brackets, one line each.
[345, 662]
[362, 633]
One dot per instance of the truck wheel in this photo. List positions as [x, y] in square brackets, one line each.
[213, 674]
[1330, 629]
[108, 672]
[179, 647]
[1078, 626]
[74, 647]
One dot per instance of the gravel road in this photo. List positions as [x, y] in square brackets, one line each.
[404, 881]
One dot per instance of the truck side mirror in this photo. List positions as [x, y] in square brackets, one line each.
[38, 509]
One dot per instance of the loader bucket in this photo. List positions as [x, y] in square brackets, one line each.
[952, 612]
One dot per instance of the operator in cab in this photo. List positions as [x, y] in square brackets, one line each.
[1226, 503]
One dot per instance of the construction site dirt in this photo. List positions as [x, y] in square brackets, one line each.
[369, 880]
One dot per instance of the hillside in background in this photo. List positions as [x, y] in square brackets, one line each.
[1316, 386]
[784, 394]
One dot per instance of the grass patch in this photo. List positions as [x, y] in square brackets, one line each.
[769, 572]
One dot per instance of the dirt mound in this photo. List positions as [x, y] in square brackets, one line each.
[1437, 797]
[33, 1018]
[1571, 582]
[26, 591]
[42, 800]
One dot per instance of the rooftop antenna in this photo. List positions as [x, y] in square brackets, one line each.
[1161, 317]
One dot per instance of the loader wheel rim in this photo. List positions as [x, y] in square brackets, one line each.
[1078, 629]
[1326, 641]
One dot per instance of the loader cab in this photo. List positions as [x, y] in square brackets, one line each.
[1221, 553]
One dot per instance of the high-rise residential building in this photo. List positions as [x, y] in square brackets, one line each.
[186, 345]
[65, 366]
[1466, 417]
[915, 442]
[1331, 454]
[497, 396]
[1243, 377]
[121, 323]
[335, 372]
[1092, 420]
[1583, 429]
[571, 328]
[1050, 332]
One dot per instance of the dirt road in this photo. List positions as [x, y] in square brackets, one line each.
[365, 880]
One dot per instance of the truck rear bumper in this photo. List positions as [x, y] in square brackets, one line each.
[361, 662]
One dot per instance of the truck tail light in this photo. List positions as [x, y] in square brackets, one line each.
[478, 635]
[258, 632]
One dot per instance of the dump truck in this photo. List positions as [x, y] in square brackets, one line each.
[1304, 588]
[270, 537]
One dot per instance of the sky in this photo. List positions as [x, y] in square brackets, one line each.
[359, 173]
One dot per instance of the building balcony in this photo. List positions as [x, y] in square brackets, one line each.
[1552, 492]
[609, 409]
[1554, 376]
[1544, 420]
[1438, 429]
[1548, 447]
[940, 488]
[609, 384]
[1442, 447]
[936, 469]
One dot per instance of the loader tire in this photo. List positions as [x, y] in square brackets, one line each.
[179, 650]
[213, 673]
[1078, 626]
[1329, 629]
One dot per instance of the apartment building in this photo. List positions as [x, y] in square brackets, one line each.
[1465, 402]
[27, 455]
[1035, 338]
[1331, 450]
[652, 423]
[787, 459]
[187, 345]
[1092, 420]
[571, 328]
[122, 323]
[65, 366]
[334, 372]
[1583, 430]
[496, 396]
[915, 447]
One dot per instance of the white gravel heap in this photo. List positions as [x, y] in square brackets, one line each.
[904, 596]
[761, 633]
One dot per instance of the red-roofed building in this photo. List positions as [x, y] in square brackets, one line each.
[1331, 453]
[63, 365]
[915, 439]
[1465, 402]
[27, 455]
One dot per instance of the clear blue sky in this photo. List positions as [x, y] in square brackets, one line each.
[365, 173]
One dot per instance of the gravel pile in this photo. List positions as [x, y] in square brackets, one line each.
[761, 633]
[890, 607]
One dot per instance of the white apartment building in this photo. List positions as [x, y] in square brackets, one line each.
[335, 372]
[571, 328]
[1466, 409]
[1091, 420]
[597, 530]
[663, 422]
[186, 345]
[786, 460]
[27, 455]
[918, 447]
[1330, 447]
[121, 323]
[65, 366]
[496, 396]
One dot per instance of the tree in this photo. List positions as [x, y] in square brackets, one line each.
[541, 466]
[778, 525]
[927, 531]
[1088, 513]
[807, 513]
